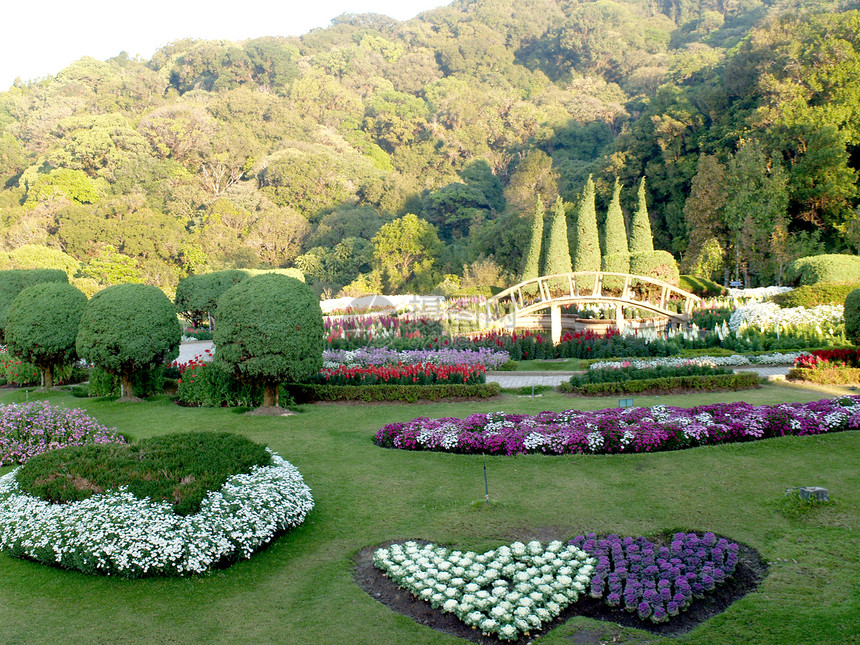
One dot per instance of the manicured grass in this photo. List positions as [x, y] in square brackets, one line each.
[300, 589]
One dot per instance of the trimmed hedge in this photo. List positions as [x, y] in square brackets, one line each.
[830, 267]
[701, 287]
[738, 381]
[826, 376]
[812, 295]
[625, 374]
[852, 316]
[655, 264]
[305, 393]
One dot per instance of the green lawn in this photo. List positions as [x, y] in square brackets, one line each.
[300, 589]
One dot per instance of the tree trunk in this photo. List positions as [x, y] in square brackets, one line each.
[47, 378]
[126, 388]
[270, 395]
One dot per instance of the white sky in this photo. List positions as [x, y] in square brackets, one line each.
[40, 38]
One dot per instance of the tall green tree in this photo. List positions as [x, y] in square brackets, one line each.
[531, 264]
[557, 259]
[404, 249]
[586, 241]
[703, 212]
[614, 238]
[641, 240]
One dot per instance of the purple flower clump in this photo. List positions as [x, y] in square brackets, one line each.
[621, 430]
[370, 356]
[29, 429]
[658, 582]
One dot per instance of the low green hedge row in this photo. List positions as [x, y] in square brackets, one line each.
[739, 381]
[624, 374]
[303, 393]
[812, 295]
[826, 376]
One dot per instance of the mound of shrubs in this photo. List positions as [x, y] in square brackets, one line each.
[830, 267]
[701, 287]
[813, 295]
[179, 469]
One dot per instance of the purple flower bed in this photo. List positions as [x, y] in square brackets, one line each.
[29, 429]
[621, 430]
[657, 582]
[370, 356]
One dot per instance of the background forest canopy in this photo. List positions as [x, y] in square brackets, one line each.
[384, 155]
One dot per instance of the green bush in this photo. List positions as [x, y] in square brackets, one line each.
[812, 295]
[19, 373]
[145, 382]
[826, 376]
[127, 328]
[14, 281]
[42, 325]
[305, 393]
[701, 287]
[270, 330]
[209, 385]
[177, 468]
[739, 381]
[624, 374]
[823, 268]
[655, 264]
[852, 316]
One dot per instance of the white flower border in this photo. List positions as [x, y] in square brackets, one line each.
[116, 533]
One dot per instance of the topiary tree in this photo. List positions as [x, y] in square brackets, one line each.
[42, 325]
[270, 330]
[852, 316]
[197, 295]
[126, 328]
[830, 267]
[614, 231]
[557, 258]
[14, 281]
[531, 262]
[641, 239]
[586, 242]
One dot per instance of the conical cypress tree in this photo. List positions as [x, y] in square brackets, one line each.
[558, 251]
[614, 231]
[641, 240]
[531, 262]
[586, 244]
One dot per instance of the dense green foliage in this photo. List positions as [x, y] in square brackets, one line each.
[557, 258]
[532, 255]
[14, 281]
[197, 295]
[852, 316]
[812, 295]
[42, 326]
[823, 268]
[655, 264]
[641, 239]
[126, 328]
[586, 241]
[623, 374]
[177, 468]
[731, 381]
[700, 286]
[271, 152]
[270, 330]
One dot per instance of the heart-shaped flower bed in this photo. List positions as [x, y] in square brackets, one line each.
[520, 589]
[508, 591]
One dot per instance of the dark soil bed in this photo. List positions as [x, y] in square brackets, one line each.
[750, 571]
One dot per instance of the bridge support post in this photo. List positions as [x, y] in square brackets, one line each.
[555, 323]
[619, 318]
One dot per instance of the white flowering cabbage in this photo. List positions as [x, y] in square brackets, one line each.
[116, 533]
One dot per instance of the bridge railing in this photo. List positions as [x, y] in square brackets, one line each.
[620, 289]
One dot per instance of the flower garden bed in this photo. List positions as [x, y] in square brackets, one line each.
[115, 532]
[827, 367]
[418, 374]
[29, 429]
[621, 430]
[667, 585]
[369, 356]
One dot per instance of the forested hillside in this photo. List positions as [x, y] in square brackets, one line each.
[743, 116]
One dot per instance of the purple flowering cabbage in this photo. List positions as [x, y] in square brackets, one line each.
[621, 430]
[657, 582]
[29, 429]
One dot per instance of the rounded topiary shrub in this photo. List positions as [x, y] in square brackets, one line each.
[169, 505]
[197, 295]
[270, 330]
[126, 328]
[852, 317]
[829, 267]
[14, 281]
[42, 326]
[655, 264]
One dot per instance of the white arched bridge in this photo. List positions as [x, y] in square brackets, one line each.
[589, 287]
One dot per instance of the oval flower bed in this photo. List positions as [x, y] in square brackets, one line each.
[621, 430]
[29, 429]
[116, 532]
